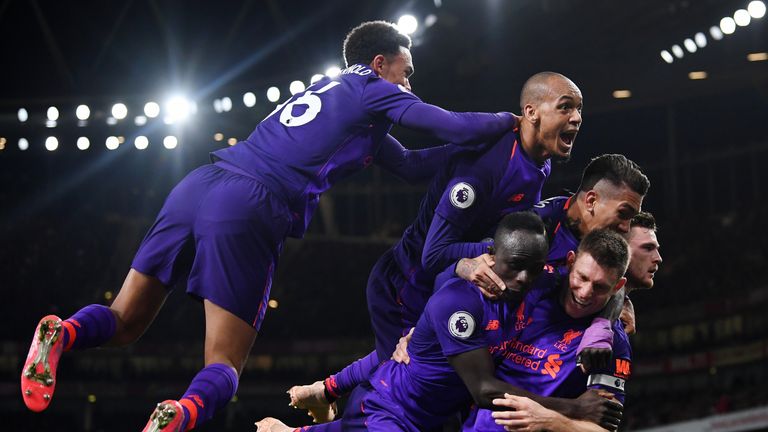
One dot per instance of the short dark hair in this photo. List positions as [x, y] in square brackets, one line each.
[644, 220]
[372, 38]
[618, 170]
[607, 248]
[519, 221]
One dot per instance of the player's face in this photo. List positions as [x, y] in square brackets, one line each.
[560, 118]
[590, 286]
[645, 258]
[398, 68]
[611, 206]
[518, 262]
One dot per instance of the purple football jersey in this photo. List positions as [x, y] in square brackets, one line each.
[428, 390]
[542, 358]
[320, 136]
[472, 194]
[553, 211]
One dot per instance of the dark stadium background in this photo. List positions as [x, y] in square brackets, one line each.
[70, 220]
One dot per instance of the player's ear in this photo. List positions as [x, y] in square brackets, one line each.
[619, 285]
[570, 258]
[530, 114]
[377, 64]
[590, 199]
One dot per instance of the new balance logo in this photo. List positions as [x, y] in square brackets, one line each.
[552, 366]
[492, 325]
[516, 197]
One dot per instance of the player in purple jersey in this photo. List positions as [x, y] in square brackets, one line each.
[224, 224]
[464, 202]
[541, 355]
[449, 359]
[644, 262]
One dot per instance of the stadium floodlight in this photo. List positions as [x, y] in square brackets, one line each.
[51, 143]
[151, 109]
[82, 112]
[690, 45]
[296, 87]
[273, 94]
[727, 25]
[178, 109]
[666, 56]
[333, 71]
[677, 51]
[112, 143]
[249, 99]
[217, 106]
[23, 144]
[83, 143]
[758, 56]
[430, 20]
[622, 94]
[697, 75]
[170, 142]
[52, 113]
[742, 18]
[701, 39]
[232, 141]
[23, 115]
[407, 24]
[716, 33]
[756, 9]
[226, 104]
[119, 111]
[315, 78]
[218, 136]
[140, 120]
[141, 142]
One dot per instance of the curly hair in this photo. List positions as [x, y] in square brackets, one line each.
[372, 38]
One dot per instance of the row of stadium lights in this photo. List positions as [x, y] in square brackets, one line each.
[728, 25]
[178, 108]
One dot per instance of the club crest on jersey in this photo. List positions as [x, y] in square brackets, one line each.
[462, 195]
[461, 324]
[568, 337]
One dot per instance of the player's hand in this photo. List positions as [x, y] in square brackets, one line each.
[598, 406]
[594, 359]
[401, 350]
[479, 271]
[595, 348]
[628, 316]
[527, 415]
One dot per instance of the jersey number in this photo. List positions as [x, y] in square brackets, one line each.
[310, 99]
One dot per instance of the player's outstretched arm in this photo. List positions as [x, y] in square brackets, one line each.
[456, 127]
[528, 415]
[476, 370]
[413, 165]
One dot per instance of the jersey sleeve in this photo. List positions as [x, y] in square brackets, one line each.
[457, 316]
[381, 97]
[413, 165]
[614, 379]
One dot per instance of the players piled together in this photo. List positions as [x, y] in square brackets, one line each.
[509, 305]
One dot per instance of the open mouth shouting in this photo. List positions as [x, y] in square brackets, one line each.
[567, 138]
[580, 303]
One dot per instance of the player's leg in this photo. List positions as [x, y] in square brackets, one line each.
[228, 340]
[238, 232]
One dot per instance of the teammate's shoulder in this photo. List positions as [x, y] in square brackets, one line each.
[555, 202]
[457, 289]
